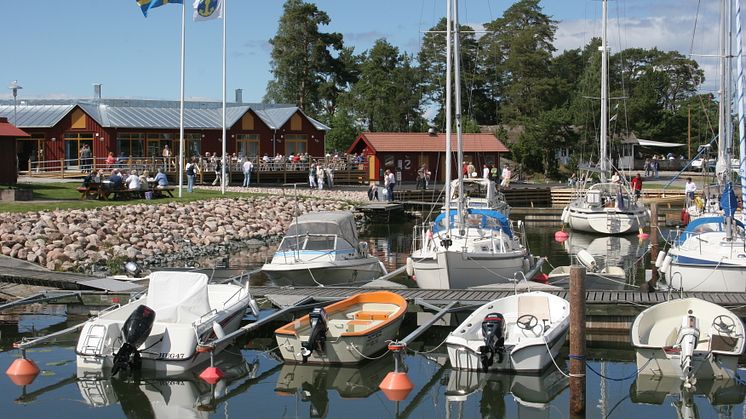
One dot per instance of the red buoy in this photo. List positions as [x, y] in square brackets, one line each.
[22, 371]
[541, 277]
[396, 386]
[212, 375]
[561, 236]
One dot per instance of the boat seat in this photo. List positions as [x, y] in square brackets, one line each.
[358, 325]
[372, 315]
[535, 305]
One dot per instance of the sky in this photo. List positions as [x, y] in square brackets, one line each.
[60, 48]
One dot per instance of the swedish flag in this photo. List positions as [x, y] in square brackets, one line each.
[146, 5]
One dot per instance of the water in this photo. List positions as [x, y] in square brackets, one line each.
[259, 385]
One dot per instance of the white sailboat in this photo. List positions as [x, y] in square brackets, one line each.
[470, 246]
[710, 254]
[605, 207]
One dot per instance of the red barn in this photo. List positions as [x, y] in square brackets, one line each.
[9, 157]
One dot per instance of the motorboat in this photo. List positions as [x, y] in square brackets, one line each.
[533, 393]
[605, 207]
[321, 248]
[346, 332]
[596, 277]
[722, 394]
[162, 329]
[314, 383]
[480, 249]
[688, 339]
[472, 242]
[520, 333]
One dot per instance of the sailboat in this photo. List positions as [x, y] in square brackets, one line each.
[468, 246]
[710, 254]
[605, 207]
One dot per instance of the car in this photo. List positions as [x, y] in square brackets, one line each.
[702, 165]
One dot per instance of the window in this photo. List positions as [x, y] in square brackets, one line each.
[193, 145]
[296, 123]
[77, 119]
[296, 144]
[156, 143]
[247, 145]
[131, 144]
[73, 143]
[247, 122]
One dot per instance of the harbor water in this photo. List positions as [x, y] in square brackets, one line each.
[258, 384]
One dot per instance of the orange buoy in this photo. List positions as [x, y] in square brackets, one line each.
[561, 236]
[212, 375]
[396, 385]
[22, 371]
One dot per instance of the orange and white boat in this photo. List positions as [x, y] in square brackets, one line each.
[345, 332]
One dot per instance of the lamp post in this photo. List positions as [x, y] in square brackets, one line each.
[15, 87]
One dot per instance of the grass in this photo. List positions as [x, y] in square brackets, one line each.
[65, 196]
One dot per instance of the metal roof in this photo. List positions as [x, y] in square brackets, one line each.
[148, 114]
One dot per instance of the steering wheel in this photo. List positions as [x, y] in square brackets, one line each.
[527, 322]
[724, 324]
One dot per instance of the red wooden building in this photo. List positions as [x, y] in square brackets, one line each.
[8, 165]
[405, 152]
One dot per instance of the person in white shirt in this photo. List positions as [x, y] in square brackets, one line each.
[485, 172]
[133, 181]
[248, 166]
[506, 174]
[690, 189]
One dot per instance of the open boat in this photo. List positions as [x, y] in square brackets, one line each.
[321, 248]
[520, 333]
[608, 277]
[161, 330]
[345, 332]
[688, 338]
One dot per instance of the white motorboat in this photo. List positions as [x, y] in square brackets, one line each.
[161, 330]
[346, 332]
[321, 248]
[475, 243]
[596, 277]
[605, 208]
[722, 395]
[521, 333]
[688, 339]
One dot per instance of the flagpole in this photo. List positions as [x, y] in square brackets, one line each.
[181, 101]
[225, 140]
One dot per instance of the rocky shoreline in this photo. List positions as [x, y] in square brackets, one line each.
[157, 234]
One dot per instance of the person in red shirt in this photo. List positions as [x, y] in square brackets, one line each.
[636, 183]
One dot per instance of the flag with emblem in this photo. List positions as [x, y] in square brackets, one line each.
[146, 5]
[208, 10]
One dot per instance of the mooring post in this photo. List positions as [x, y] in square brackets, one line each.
[577, 341]
[654, 249]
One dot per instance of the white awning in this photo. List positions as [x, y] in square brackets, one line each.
[651, 143]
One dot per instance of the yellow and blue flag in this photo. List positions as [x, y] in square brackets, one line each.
[146, 5]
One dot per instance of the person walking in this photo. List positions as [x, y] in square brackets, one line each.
[248, 166]
[192, 168]
[391, 184]
[218, 171]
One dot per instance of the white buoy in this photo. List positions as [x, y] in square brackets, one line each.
[587, 260]
[666, 263]
[659, 259]
[410, 267]
[218, 329]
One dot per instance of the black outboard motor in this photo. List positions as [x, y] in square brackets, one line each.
[135, 330]
[318, 334]
[493, 331]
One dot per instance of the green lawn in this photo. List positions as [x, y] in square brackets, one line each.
[64, 196]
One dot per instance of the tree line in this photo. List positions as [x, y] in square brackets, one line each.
[513, 79]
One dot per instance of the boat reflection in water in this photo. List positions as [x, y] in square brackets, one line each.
[312, 383]
[532, 393]
[722, 394]
[153, 395]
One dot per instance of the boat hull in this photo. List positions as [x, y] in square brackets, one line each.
[345, 273]
[707, 277]
[604, 220]
[656, 362]
[458, 270]
[531, 359]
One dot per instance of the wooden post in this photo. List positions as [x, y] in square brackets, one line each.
[654, 249]
[29, 168]
[577, 340]
[62, 168]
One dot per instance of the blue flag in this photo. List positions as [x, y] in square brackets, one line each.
[146, 5]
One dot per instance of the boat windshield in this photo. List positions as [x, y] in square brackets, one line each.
[477, 218]
[311, 242]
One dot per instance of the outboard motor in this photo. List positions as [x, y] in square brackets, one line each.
[318, 334]
[493, 332]
[687, 341]
[135, 330]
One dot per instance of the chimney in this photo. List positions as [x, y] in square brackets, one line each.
[239, 95]
[97, 91]
[432, 132]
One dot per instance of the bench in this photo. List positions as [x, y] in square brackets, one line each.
[94, 191]
[372, 315]
[159, 191]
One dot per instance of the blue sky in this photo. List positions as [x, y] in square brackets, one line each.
[59, 48]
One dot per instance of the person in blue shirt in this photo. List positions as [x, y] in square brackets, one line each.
[115, 180]
[161, 179]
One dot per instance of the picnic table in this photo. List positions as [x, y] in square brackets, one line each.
[103, 191]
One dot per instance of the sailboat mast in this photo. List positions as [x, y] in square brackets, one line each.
[725, 128]
[448, 115]
[457, 111]
[603, 153]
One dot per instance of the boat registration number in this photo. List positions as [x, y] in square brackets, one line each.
[169, 355]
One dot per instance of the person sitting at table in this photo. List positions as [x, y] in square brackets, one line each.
[160, 179]
[115, 180]
[133, 181]
[144, 178]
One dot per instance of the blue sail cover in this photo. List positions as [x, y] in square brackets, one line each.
[476, 217]
[704, 224]
[729, 202]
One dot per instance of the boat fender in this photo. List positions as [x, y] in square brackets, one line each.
[254, 306]
[587, 260]
[493, 332]
[135, 331]
[363, 246]
[659, 259]
[666, 263]
[526, 264]
[218, 329]
[317, 340]
[685, 217]
[410, 267]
